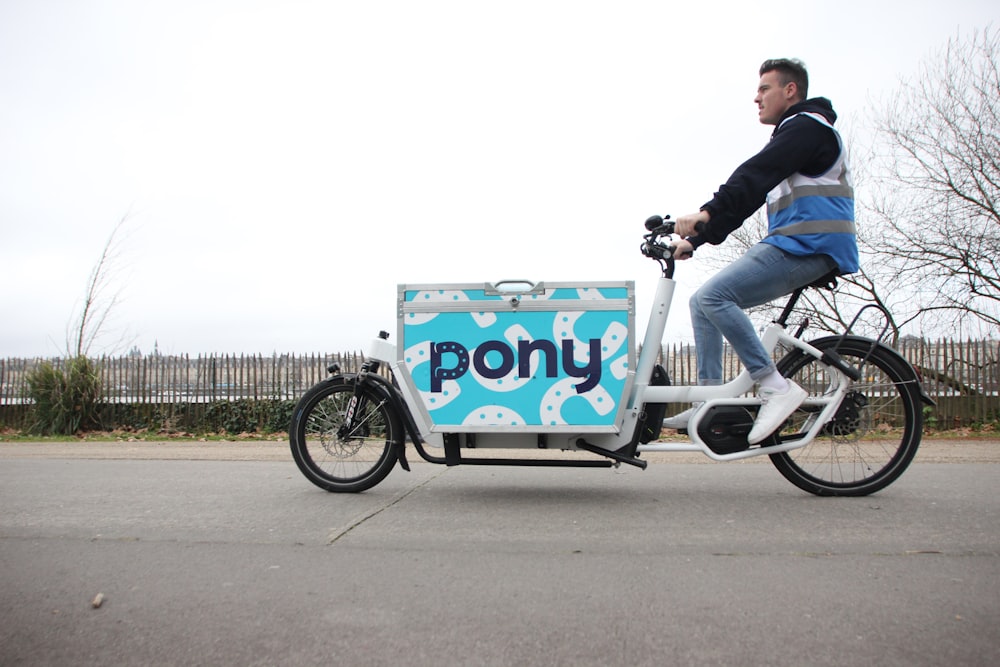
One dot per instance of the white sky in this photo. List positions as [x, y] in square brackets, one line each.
[286, 164]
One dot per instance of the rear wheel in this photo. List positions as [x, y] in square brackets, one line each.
[342, 439]
[873, 437]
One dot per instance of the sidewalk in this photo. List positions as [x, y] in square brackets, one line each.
[931, 451]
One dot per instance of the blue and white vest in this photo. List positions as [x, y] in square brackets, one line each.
[810, 215]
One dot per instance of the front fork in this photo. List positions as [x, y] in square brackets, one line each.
[368, 376]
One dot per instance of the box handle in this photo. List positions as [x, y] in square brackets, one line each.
[508, 287]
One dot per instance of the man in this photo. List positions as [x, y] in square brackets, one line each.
[803, 177]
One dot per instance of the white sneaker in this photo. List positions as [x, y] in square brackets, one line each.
[774, 410]
[680, 420]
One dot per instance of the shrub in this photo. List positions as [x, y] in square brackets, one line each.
[248, 416]
[66, 400]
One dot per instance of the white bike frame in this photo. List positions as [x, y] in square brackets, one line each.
[731, 394]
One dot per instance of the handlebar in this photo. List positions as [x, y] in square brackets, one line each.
[652, 247]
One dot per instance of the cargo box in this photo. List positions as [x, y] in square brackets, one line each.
[516, 356]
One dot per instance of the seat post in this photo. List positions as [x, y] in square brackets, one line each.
[789, 307]
[828, 282]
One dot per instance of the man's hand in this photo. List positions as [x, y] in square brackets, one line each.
[682, 249]
[684, 225]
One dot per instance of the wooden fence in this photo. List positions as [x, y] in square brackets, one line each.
[171, 387]
[963, 377]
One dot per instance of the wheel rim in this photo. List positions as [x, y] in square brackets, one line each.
[867, 440]
[342, 452]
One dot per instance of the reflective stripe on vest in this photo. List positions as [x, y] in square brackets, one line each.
[817, 227]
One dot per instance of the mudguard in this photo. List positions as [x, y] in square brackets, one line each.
[910, 370]
[391, 394]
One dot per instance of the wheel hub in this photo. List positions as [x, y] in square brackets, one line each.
[851, 421]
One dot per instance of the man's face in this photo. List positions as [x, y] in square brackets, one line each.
[773, 99]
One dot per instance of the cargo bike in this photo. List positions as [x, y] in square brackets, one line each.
[515, 365]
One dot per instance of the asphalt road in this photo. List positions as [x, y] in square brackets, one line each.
[245, 562]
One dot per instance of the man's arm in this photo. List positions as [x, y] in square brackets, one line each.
[800, 145]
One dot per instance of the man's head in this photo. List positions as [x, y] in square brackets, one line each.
[783, 82]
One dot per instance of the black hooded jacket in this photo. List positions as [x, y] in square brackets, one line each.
[800, 145]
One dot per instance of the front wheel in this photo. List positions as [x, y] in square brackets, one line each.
[875, 433]
[343, 436]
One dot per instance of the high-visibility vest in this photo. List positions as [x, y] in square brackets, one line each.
[810, 215]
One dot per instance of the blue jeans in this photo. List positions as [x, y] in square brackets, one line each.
[763, 274]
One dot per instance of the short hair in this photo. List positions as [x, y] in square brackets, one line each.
[789, 70]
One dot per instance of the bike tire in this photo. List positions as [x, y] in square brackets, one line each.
[331, 457]
[876, 432]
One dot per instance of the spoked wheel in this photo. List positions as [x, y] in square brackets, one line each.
[875, 433]
[342, 439]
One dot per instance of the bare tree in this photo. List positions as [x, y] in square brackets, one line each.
[68, 397]
[937, 205]
[99, 301]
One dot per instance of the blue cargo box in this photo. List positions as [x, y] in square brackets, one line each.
[516, 356]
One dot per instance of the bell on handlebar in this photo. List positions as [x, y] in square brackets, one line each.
[659, 225]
